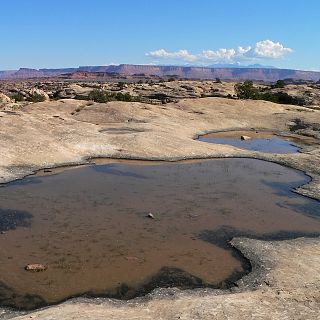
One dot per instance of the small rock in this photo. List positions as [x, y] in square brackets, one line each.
[132, 258]
[245, 138]
[35, 267]
[150, 215]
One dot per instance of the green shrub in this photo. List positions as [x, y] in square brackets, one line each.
[279, 84]
[98, 96]
[121, 85]
[18, 97]
[246, 90]
[36, 97]
[101, 96]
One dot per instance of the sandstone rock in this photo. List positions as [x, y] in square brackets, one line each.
[67, 93]
[245, 138]
[39, 92]
[35, 267]
[4, 98]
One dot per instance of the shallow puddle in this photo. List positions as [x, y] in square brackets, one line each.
[259, 141]
[89, 225]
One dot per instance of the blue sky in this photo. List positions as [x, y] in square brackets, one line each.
[69, 33]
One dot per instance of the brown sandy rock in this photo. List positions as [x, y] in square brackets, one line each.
[4, 98]
[39, 92]
[35, 267]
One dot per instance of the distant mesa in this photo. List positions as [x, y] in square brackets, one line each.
[254, 72]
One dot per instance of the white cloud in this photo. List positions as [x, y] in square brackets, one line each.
[243, 50]
[265, 49]
[181, 54]
[221, 54]
[270, 49]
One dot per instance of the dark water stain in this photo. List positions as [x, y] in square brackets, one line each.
[221, 237]
[300, 124]
[281, 188]
[166, 277]
[11, 299]
[125, 130]
[23, 182]
[312, 209]
[89, 226]
[11, 219]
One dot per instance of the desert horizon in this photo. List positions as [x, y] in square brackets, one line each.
[159, 160]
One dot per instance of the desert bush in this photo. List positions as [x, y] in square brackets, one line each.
[101, 96]
[18, 97]
[36, 97]
[121, 85]
[98, 96]
[246, 90]
[279, 84]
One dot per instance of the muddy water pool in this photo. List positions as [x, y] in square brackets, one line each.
[262, 141]
[89, 225]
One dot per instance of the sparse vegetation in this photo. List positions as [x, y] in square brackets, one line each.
[102, 96]
[36, 97]
[247, 90]
[172, 77]
[18, 97]
[279, 84]
[121, 85]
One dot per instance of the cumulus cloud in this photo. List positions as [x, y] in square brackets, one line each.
[265, 49]
[270, 49]
[181, 54]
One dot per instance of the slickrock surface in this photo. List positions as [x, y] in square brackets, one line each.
[285, 281]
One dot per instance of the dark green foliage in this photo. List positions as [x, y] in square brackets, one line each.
[279, 84]
[285, 98]
[36, 98]
[98, 96]
[159, 96]
[103, 96]
[17, 97]
[246, 90]
[218, 80]
[121, 85]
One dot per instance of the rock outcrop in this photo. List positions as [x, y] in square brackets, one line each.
[4, 99]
